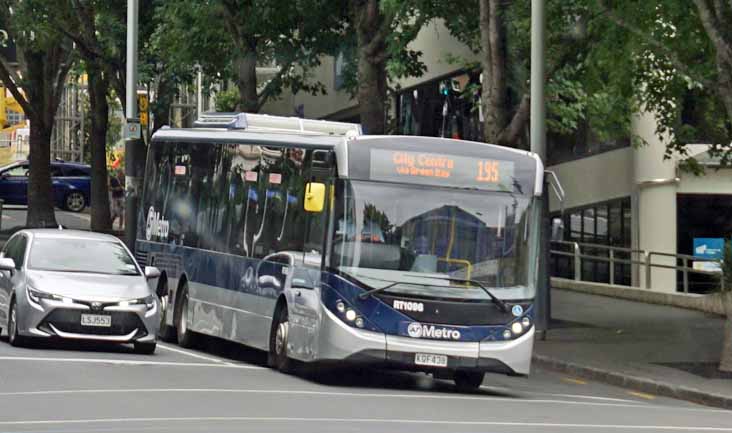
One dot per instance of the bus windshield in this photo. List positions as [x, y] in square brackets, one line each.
[420, 237]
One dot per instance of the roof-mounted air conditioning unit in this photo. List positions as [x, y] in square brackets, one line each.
[267, 123]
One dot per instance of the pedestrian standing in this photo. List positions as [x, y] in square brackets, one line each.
[117, 189]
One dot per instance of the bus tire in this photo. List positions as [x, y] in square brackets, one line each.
[166, 332]
[277, 356]
[468, 380]
[185, 335]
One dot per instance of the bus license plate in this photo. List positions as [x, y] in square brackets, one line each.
[430, 360]
[98, 320]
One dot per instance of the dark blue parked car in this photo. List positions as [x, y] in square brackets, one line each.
[71, 184]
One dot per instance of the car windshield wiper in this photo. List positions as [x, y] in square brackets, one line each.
[496, 300]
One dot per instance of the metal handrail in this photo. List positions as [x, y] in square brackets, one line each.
[645, 260]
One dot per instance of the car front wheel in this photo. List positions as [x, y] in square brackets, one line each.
[14, 338]
[75, 201]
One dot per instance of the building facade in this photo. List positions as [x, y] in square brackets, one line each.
[616, 194]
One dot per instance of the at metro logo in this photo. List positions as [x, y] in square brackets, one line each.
[419, 330]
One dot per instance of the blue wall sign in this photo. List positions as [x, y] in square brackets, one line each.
[708, 248]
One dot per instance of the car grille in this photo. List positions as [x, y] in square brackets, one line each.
[70, 321]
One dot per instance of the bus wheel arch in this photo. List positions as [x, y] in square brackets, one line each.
[166, 332]
[277, 355]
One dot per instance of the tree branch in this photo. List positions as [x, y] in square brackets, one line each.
[653, 42]
[268, 90]
[711, 25]
[511, 133]
[11, 80]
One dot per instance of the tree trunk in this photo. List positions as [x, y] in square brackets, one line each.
[724, 82]
[726, 362]
[493, 61]
[246, 81]
[372, 56]
[161, 106]
[40, 193]
[98, 85]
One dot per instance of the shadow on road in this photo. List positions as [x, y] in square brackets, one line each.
[340, 375]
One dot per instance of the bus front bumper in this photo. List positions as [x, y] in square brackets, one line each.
[340, 342]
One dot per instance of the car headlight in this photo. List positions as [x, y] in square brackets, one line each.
[148, 301]
[37, 295]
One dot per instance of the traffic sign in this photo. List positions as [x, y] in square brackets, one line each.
[143, 104]
[132, 131]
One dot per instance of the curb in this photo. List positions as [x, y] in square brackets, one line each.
[637, 383]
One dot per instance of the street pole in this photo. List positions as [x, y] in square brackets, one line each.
[132, 143]
[538, 146]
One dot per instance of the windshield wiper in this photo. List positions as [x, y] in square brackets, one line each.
[496, 300]
[368, 293]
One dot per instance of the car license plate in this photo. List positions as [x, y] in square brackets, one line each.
[99, 320]
[430, 360]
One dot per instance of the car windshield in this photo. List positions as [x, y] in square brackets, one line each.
[422, 237]
[81, 255]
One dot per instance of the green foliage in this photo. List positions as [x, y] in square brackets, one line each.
[212, 34]
[587, 67]
[673, 71]
[227, 100]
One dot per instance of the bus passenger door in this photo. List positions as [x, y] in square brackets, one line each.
[304, 303]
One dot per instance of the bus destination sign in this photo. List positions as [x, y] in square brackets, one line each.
[438, 169]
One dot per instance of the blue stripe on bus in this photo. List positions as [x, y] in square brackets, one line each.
[231, 272]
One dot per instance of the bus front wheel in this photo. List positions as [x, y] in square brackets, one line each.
[278, 343]
[185, 335]
[468, 380]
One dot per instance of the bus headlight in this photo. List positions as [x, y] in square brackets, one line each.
[350, 315]
[340, 306]
[507, 334]
[359, 322]
[526, 322]
[516, 328]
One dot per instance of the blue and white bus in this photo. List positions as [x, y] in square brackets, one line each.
[313, 242]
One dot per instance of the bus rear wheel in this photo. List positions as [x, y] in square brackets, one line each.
[468, 380]
[185, 335]
[277, 356]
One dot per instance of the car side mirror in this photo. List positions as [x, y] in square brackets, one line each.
[7, 264]
[151, 272]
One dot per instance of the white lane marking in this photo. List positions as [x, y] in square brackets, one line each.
[552, 394]
[129, 362]
[415, 396]
[196, 355]
[370, 421]
[83, 216]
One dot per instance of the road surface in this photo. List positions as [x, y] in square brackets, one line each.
[14, 216]
[223, 387]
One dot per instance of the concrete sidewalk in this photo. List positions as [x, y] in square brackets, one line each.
[651, 348]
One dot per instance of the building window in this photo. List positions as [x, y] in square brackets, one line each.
[601, 224]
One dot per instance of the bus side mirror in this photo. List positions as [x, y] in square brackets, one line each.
[314, 197]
